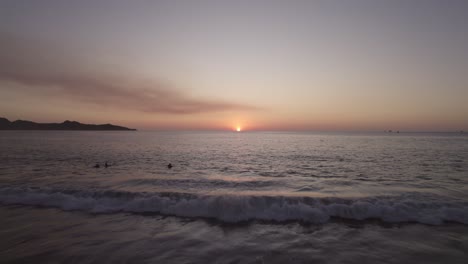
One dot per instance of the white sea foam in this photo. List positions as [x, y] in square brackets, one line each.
[232, 208]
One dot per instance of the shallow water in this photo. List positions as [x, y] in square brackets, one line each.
[31, 235]
[396, 189]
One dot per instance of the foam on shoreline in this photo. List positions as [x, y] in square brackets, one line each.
[234, 208]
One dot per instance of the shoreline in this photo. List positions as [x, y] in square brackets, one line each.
[34, 235]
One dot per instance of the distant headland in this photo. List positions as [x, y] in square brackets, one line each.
[5, 124]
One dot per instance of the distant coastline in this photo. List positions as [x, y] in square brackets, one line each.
[6, 124]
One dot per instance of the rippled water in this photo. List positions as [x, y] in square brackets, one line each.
[302, 178]
[241, 176]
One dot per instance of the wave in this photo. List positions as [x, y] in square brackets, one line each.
[202, 183]
[238, 208]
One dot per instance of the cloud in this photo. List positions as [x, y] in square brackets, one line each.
[43, 69]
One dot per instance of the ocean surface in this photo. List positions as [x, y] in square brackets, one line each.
[249, 197]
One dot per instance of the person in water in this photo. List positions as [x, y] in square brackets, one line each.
[106, 165]
[169, 166]
[97, 166]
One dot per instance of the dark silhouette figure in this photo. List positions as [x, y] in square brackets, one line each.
[97, 166]
[169, 166]
[106, 165]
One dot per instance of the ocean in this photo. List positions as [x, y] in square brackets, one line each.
[248, 197]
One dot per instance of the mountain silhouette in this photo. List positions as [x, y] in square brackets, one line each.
[5, 124]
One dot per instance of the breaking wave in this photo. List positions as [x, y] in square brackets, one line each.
[238, 208]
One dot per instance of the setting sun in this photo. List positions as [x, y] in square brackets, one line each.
[238, 129]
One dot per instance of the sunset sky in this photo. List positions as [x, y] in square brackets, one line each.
[262, 65]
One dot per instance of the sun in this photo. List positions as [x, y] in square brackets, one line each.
[238, 129]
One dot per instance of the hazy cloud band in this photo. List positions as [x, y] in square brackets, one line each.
[41, 69]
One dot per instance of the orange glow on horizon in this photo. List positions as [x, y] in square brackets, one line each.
[238, 129]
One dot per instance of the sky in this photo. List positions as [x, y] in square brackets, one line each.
[215, 65]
